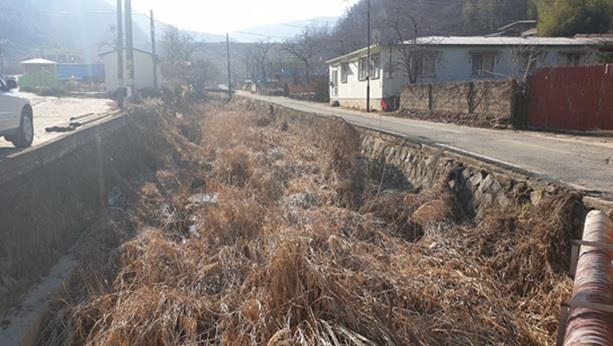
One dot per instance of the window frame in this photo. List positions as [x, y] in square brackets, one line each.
[344, 73]
[374, 66]
[481, 71]
[420, 62]
[362, 72]
[572, 59]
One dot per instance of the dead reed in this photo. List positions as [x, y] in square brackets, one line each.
[302, 248]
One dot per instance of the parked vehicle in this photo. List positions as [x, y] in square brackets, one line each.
[16, 115]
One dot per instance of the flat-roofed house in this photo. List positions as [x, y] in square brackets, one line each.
[450, 58]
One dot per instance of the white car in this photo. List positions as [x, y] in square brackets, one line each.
[16, 115]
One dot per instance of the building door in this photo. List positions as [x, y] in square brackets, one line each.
[334, 86]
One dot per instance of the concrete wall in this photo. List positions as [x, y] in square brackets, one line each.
[143, 71]
[51, 194]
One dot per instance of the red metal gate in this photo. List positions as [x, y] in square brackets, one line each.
[572, 98]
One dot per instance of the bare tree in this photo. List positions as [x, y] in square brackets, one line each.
[248, 63]
[261, 55]
[304, 47]
[404, 30]
[178, 49]
[109, 41]
[526, 59]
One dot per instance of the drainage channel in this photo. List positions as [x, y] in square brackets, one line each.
[406, 202]
[24, 322]
[50, 195]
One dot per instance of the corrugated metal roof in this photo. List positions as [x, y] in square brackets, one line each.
[504, 41]
[480, 41]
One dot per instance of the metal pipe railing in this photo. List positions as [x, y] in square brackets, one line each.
[590, 316]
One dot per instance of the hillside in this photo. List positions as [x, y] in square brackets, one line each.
[391, 19]
[78, 27]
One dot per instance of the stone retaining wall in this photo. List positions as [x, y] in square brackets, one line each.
[481, 186]
[484, 103]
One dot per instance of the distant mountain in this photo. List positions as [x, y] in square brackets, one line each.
[281, 31]
[82, 28]
[205, 37]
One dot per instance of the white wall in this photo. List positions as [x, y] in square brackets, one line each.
[355, 88]
[143, 71]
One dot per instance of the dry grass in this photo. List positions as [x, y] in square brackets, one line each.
[303, 249]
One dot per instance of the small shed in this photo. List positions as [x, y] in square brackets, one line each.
[38, 73]
[143, 70]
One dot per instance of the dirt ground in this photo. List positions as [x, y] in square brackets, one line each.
[256, 231]
[53, 111]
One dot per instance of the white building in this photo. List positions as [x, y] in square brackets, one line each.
[143, 70]
[450, 58]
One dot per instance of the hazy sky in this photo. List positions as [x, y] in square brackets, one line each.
[220, 16]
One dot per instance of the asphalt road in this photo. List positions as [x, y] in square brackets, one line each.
[583, 162]
[53, 111]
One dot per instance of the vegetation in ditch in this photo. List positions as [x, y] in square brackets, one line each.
[256, 231]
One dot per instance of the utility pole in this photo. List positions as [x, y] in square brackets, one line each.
[229, 70]
[119, 48]
[129, 48]
[368, 62]
[155, 58]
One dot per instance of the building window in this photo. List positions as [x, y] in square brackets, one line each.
[571, 59]
[483, 64]
[362, 73]
[344, 72]
[375, 63]
[425, 65]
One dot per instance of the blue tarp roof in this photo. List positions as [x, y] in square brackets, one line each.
[79, 71]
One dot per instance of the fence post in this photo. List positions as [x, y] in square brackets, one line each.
[471, 97]
[430, 101]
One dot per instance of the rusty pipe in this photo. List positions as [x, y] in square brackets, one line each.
[588, 324]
